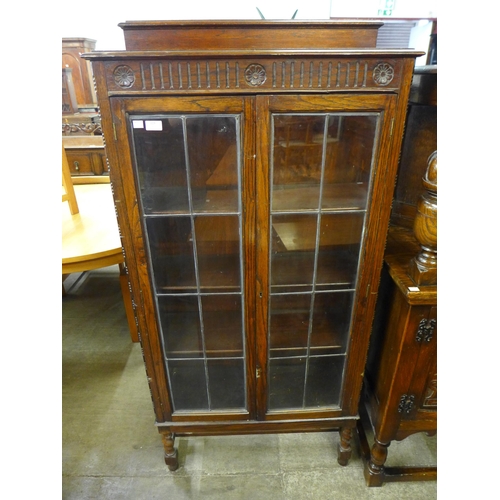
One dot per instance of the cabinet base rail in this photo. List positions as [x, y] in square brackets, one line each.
[170, 430]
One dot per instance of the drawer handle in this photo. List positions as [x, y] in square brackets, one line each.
[77, 165]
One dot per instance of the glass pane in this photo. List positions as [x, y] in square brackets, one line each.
[227, 384]
[338, 252]
[331, 322]
[171, 249]
[188, 385]
[213, 163]
[289, 325]
[356, 139]
[292, 251]
[218, 251]
[180, 322]
[324, 381]
[286, 383]
[309, 160]
[223, 327]
[161, 164]
[297, 161]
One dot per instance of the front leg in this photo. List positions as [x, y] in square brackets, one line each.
[374, 473]
[344, 449]
[170, 452]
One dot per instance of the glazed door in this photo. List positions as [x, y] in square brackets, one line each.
[187, 163]
[316, 175]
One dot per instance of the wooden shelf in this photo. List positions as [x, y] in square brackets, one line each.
[290, 198]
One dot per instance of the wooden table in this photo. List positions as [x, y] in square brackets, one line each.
[91, 239]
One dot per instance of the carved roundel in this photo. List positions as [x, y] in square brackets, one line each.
[383, 73]
[124, 76]
[255, 75]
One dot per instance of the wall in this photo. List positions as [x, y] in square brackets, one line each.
[109, 36]
[101, 24]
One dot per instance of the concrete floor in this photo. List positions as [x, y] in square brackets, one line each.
[112, 450]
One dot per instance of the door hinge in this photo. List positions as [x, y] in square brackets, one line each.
[258, 372]
[114, 130]
[425, 330]
[392, 127]
[406, 403]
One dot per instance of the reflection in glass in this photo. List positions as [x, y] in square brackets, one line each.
[218, 251]
[227, 384]
[292, 253]
[289, 326]
[161, 164]
[188, 384]
[171, 250]
[187, 163]
[188, 170]
[338, 250]
[223, 327]
[324, 380]
[211, 147]
[327, 155]
[180, 318]
[331, 319]
[286, 380]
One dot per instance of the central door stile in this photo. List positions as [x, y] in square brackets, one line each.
[263, 133]
[248, 158]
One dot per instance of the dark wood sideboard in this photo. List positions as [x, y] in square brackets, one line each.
[400, 386]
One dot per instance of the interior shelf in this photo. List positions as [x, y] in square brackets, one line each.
[298, 198]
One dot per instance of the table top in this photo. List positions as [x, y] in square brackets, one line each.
[91, 237]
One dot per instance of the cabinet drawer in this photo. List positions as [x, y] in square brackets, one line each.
[79, 163]
[83, 162]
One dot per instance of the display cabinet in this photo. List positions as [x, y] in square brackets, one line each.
[253, 164]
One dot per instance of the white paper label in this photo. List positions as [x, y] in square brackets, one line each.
[137, 124]
[154, 125]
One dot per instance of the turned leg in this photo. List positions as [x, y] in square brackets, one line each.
[344, 450]
[374, 473]
[170, 452]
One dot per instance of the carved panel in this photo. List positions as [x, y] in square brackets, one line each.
[81, 128]
[265, 75]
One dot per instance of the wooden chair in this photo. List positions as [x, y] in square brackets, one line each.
[69, 189]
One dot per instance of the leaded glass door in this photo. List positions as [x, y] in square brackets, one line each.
[316, 182]
[188, 166]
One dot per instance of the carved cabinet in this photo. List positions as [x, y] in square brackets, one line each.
[253, 165]
[400, 389]
[72, 50]
[86, 156]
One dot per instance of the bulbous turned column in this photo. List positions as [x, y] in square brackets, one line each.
[423, 268]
